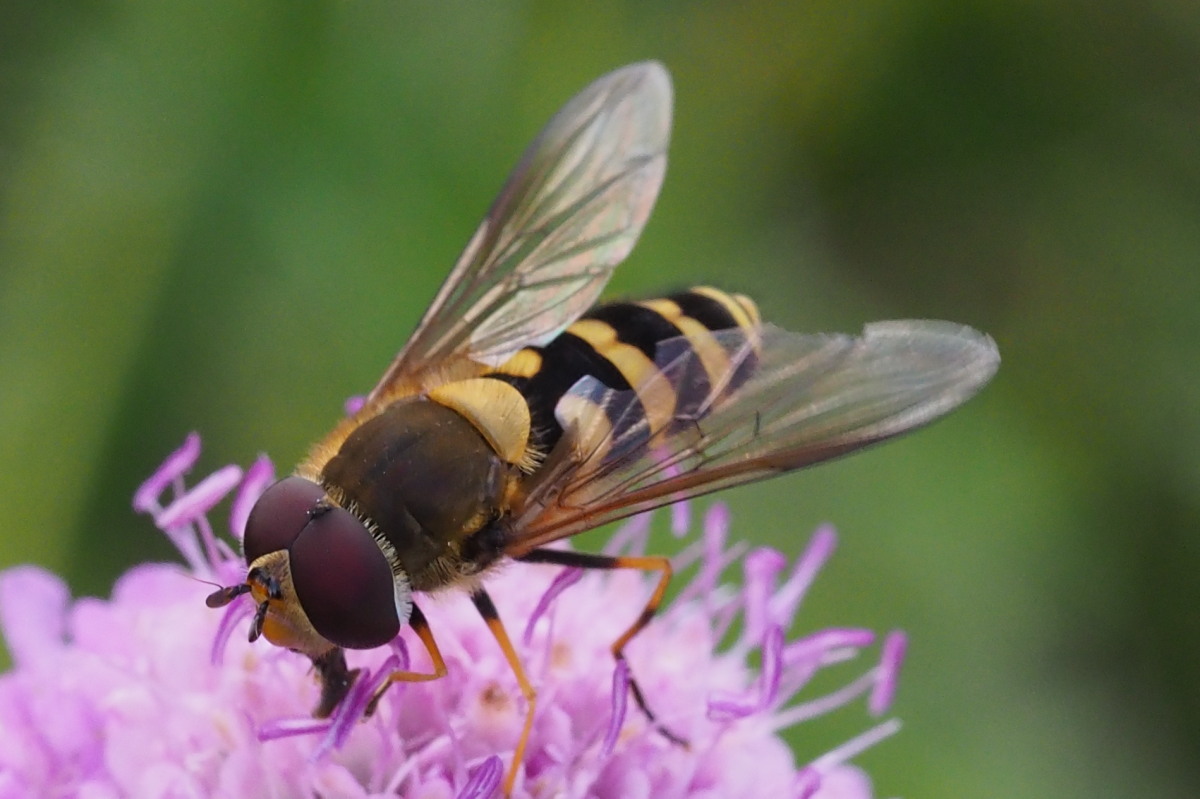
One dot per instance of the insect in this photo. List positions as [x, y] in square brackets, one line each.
[520, 413]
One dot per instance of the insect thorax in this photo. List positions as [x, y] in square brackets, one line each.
[425, 481]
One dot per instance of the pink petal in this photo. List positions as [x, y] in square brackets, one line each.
[177, 464]
[760, 567]
[844, 782]
[258, 477]
[562, 581]
[726, 707]
[199, 500]
[335, 780]
[890, 660]
[630, 537]
[836, 759]
[33, 605]
[681, 518]
[484, 779]
[238, 610]
[787, 598]
[620, 702]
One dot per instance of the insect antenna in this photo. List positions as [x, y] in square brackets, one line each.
[225, 594]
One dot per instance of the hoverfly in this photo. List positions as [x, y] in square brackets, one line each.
[520, 413]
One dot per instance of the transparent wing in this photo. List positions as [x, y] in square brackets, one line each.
[570, 212]
[808, 398]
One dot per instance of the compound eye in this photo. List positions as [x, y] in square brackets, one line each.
[279, 515]
[344, 582]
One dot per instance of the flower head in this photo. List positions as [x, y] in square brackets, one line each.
[150, 693]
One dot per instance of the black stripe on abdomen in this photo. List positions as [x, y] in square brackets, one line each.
[617, 341]
[635, 325]
[709, 312]
[563, 362]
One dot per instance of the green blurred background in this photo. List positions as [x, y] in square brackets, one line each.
[225, 217]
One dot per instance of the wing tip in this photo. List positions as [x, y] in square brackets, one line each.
[969, 356]
[657, 78]
[651, 72]
[649, 82]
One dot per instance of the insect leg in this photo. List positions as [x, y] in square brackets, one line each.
[487, 609]
[420, 626]
[584, 560]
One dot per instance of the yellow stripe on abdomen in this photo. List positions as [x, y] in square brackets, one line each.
[656, 394]
[619, 346]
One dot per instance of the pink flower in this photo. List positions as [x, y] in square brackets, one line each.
[151, 694]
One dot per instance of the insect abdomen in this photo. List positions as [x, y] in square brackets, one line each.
[617, 344]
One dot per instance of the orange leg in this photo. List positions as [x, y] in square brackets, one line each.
[420, 626]
[487, 609]
[662, 565]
